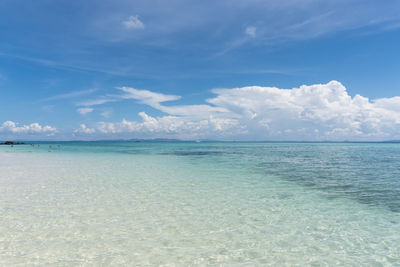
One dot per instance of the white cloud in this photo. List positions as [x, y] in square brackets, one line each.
[144, 96]
[48, 108]
[84, 111]
[315, 112]
[147, 97]
[155, 99]
[99, 101]
[325, 107]
[173, 126]
[33, 128]
[71, 94]
[251, 31]
[83, 129]
[106, 113]
[133, 22]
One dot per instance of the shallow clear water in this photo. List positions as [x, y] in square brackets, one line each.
[151, 203]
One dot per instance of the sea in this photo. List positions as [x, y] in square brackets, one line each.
[200, 204]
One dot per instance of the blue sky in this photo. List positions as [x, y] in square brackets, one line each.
[229, 70]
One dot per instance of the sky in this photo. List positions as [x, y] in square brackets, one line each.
[287, 70]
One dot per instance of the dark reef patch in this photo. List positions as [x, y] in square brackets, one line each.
[12, 143]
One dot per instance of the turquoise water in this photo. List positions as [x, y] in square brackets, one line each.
[209, 203]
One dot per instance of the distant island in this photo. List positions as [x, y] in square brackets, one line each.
[12, 143]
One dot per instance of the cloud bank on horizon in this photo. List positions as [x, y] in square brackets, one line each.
[31, 129]
[310, 112]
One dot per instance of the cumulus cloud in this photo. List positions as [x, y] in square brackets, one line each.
[314, 112]
[85, 130]
[84, 111]
[33, 128]
[173, 126]
[133, 22]
[251, 31]
[326, 108]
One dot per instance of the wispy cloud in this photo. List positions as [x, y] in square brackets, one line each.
[98, 101]
[60, 64]
[106, 113]
[133, 22]
[251, 31]
[143, 96]
[147, 97]
[48, 108]
[84, 111]
[71, 94]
